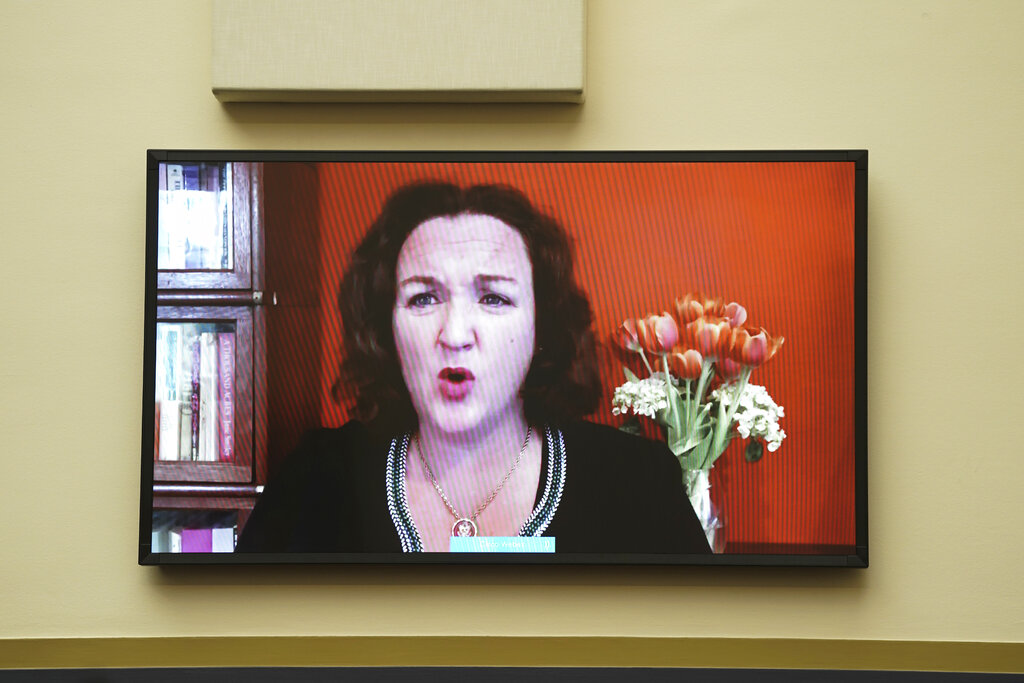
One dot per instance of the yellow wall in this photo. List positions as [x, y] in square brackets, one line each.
[934, 91]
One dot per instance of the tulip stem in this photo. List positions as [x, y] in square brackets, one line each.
[648, 365]
[705, 375]
[688, 403]
[668, 391]
[725, 420]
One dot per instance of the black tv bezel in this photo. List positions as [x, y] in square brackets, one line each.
[858, 558]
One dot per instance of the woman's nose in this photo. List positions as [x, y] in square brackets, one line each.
[457, 329]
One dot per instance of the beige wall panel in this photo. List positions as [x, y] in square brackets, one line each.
[397, 50]
[932, 89]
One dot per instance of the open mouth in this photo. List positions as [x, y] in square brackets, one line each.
[455, 383]
[456, 375]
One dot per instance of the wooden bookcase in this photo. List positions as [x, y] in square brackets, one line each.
[211, 336]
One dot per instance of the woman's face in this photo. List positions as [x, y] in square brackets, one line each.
[464, 321]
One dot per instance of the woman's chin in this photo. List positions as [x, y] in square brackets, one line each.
[454, 424]
[465, 426]
[467, 418]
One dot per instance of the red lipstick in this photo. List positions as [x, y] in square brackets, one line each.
[455, 383]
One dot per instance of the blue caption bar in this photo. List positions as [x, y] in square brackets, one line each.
[502, 544]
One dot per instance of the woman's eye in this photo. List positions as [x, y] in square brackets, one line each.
[421, 300]
[494, 300]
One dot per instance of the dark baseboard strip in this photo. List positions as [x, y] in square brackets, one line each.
[490, 675]
[500, 651]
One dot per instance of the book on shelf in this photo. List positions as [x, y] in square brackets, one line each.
[156, 431]
[175, 177]
[190, 174]
[166, 541]
[208, 424]
[168, 367]
[197, 540]
[226, 209]
[191, 441]
[226, 394]
[223, 540]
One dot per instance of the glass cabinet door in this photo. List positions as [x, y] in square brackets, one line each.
[204, 395]
[204, 219]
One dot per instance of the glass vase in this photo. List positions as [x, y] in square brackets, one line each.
[698, 490]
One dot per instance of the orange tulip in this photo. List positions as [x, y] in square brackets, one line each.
[711, 339]
[696, 305]
[689, 308]
[727, 368]
[714, 307]
[657, 333]
[626, 336]
[685, 364]
[735, 314]
[753, 350]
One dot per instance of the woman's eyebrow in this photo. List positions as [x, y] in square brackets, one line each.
[420, 279]
[485, 278]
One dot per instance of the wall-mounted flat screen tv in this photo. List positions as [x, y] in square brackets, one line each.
[505, 357]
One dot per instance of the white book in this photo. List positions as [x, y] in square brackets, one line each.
[174, 541]
[170, 241]
[188, 385]
[175, 177]
[226, 206]
[171, 234]
[168, 361]
[185, 428]
[224, 540]
[159, 542]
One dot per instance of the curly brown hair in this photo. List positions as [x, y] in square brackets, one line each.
[562, 382]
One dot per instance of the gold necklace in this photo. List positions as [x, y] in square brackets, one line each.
[466, 526]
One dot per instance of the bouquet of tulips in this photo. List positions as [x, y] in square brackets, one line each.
[701, 343]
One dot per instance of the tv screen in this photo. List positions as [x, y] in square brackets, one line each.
[505, 357]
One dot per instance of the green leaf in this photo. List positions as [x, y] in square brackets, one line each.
[693, 453]
[678, 443]
[630, 377]
[672, 416]
[754, 451]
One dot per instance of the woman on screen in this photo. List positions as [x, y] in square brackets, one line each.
[469, 348]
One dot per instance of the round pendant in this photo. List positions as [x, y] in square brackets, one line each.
[464, 527]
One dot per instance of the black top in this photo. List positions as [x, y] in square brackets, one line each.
[611, 493]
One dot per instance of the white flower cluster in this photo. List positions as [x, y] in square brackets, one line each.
[757, 415]
[644, 397]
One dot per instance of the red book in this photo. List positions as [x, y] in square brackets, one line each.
[226, 394]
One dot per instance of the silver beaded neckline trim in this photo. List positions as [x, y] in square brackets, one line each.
[535, 525]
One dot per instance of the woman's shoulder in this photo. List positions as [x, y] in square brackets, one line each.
[352, 432]
[329, 449]
[609, 444]
[623, 493]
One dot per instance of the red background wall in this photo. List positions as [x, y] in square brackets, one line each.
[776, 237]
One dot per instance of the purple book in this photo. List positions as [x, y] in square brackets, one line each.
[197, 540]
[190, 175]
